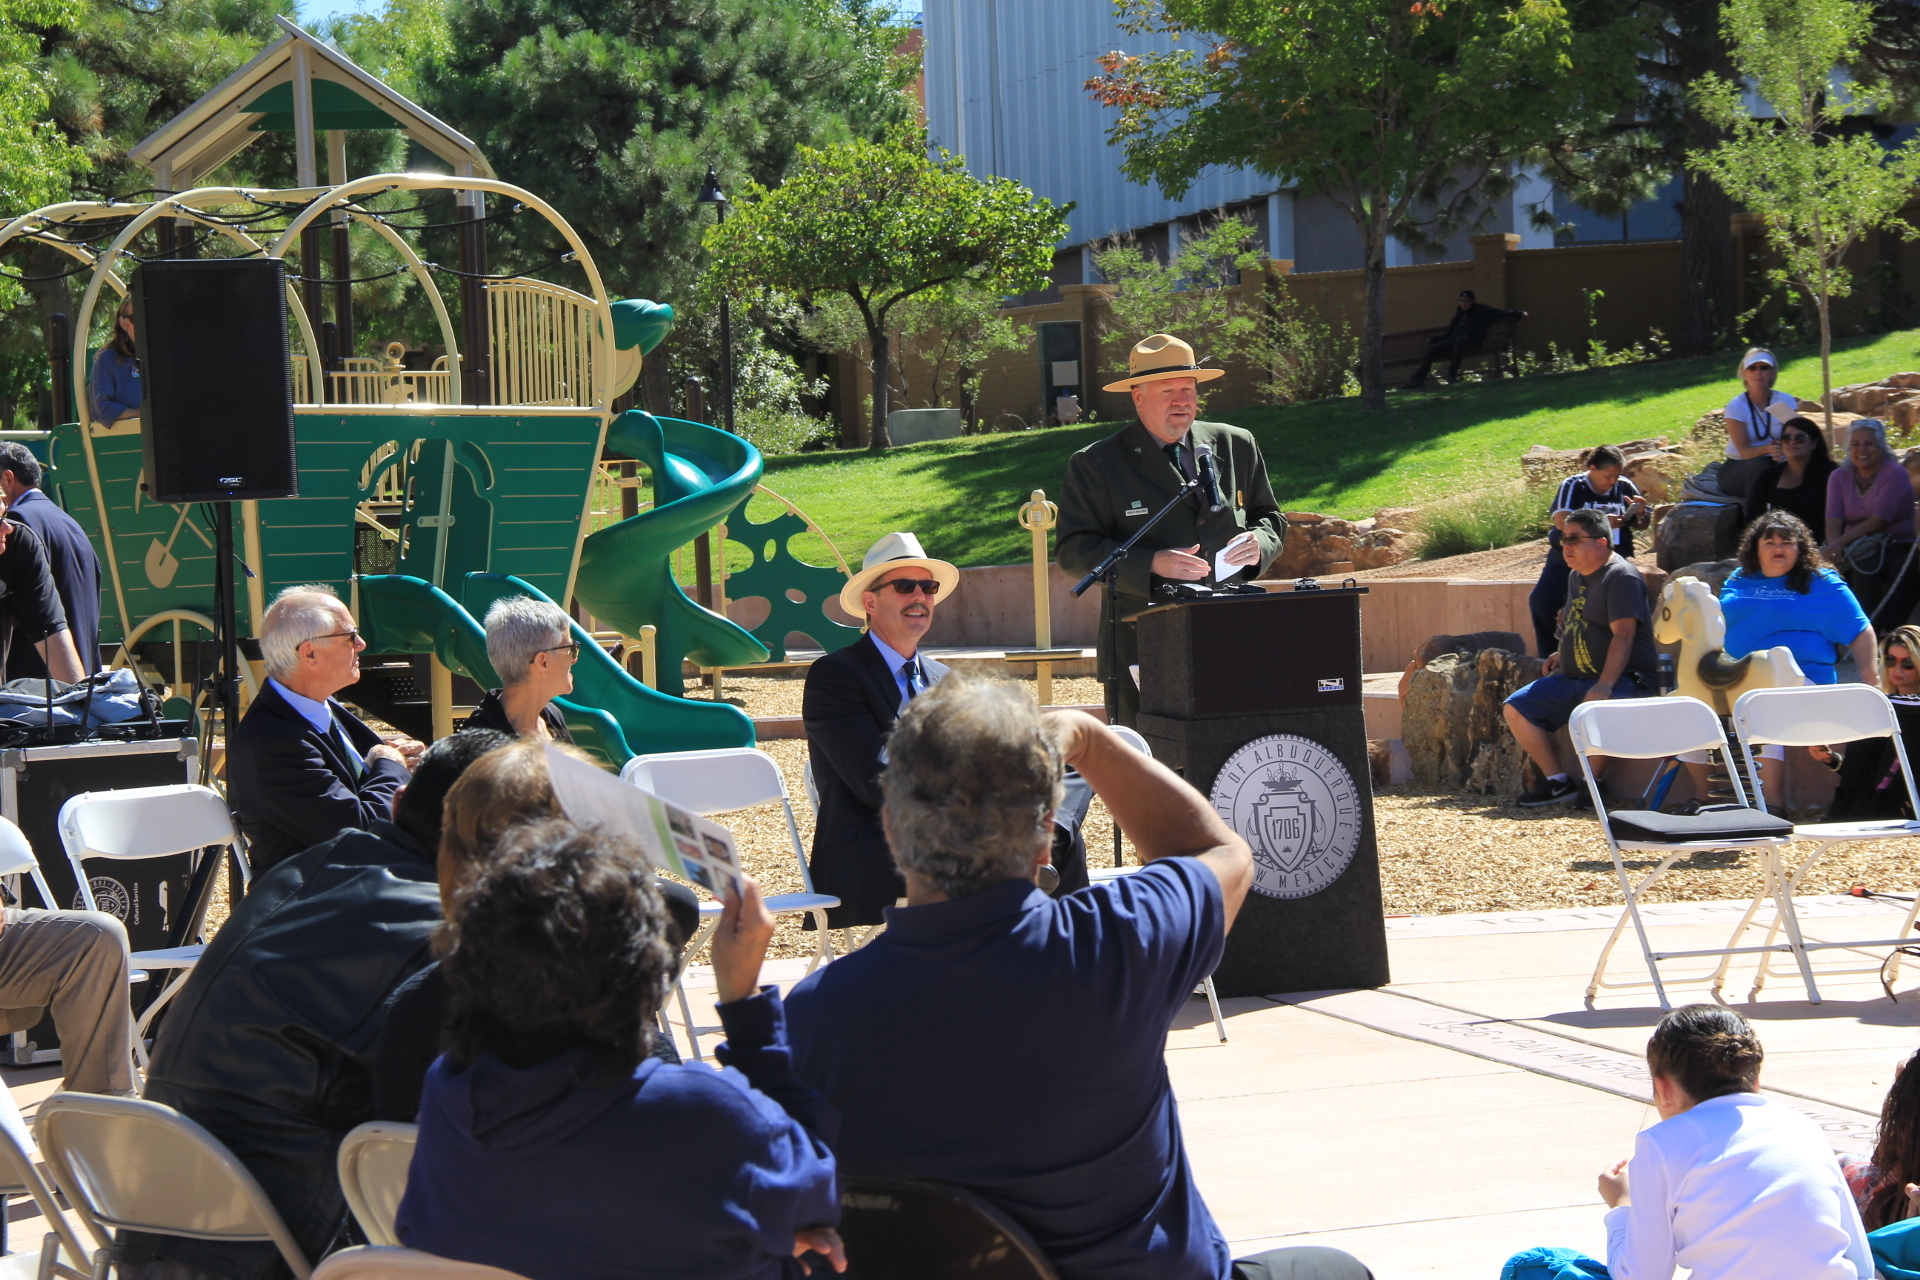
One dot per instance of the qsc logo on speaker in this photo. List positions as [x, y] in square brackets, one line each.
[1294, 802]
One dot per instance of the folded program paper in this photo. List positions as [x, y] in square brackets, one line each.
[669, 838]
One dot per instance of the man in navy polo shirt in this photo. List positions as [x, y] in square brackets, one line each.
[925, 1039]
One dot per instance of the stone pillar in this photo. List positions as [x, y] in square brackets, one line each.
[1490, 266]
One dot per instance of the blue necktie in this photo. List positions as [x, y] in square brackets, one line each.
[346, 746]
[910, 672]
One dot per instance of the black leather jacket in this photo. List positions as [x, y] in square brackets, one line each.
[271, 1044]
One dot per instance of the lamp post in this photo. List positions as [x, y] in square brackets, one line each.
[710, 193]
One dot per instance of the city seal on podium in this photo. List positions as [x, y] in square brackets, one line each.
[1296, 804]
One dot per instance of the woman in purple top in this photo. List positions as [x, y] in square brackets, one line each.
[1870, 525]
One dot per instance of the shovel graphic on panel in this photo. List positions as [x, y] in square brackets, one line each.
[161, 563]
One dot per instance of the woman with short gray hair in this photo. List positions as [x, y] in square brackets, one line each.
[530, 644]
[1870, 526]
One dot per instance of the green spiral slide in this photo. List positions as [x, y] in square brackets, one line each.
[626, 580]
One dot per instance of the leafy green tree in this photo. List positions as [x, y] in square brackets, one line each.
[1405, 114]
[613, 112]
[880, 223]
[37, 163]
[1195, 291]
[1820, 188]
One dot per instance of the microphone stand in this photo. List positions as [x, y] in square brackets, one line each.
[1108, 571]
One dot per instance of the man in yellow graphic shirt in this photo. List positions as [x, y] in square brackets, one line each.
[1606, 651]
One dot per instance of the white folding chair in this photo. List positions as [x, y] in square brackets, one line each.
[1816, 716]
[148, 822]
[1653, 729]
[1139, 743]
[375, 1262]
[374, 1160]
[127, 1164]
[17, 858]
[18, 1176]
[720, 781]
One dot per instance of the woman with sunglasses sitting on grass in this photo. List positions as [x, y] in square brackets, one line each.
[1870, 782]
[530, 644]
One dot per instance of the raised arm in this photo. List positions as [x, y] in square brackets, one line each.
[1161, 814]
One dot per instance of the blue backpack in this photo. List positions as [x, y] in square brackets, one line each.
[1896, 1249]
[1552, 1263]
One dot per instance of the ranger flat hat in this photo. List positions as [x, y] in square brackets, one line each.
[1158, 358]
[895, 551]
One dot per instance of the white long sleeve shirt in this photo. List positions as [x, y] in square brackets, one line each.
[1736, 1188]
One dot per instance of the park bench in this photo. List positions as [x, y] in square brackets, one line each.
[1408, 348]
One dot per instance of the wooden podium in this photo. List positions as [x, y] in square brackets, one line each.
[1256, 701]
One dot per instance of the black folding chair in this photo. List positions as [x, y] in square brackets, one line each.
[931, 1231]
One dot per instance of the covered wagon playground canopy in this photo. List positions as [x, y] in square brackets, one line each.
[424, 492]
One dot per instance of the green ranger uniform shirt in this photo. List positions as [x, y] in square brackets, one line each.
[1115, 485]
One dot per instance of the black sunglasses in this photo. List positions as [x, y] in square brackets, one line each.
[572, 648]
[907, 586]
[351, 633]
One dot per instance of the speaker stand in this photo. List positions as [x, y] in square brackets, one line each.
[225, 688]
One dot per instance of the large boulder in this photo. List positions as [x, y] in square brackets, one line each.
[1318, 544]
[1542, 464]
[1712, 572]
[1452, 724]
[1693, 531]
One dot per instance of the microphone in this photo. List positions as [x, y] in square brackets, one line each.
[1209, 482]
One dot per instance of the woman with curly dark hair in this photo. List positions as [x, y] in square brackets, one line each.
[1885, 1186]
[1730, 1185]
[551, 1145]
[1781, 595]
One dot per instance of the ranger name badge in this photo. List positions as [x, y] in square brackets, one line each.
[1136, 508]
[1294, 802]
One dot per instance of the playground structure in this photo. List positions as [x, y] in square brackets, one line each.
[424, 492]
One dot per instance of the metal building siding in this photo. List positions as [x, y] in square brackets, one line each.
[1005, 83]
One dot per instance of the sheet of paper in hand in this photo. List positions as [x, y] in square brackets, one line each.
[670, 838]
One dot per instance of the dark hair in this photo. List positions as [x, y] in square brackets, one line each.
[422, 804]
[1467, 293]
[1822, 456]
[1594, 522]
[1706, 1049]
[19, 459]
[1606, 456]
[120, 341]
[560, 945]
[1800, 577]
[1896, 1156]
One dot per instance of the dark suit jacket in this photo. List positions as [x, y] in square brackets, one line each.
[293, 788]
[850, 704]
[76, 578]
[1114, 485]
[1473, 323]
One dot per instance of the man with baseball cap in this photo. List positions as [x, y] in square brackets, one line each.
[1115, 485]
[852, 698]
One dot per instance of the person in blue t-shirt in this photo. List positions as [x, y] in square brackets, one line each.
[908, 1038]
[1781, 595]
[115, 387]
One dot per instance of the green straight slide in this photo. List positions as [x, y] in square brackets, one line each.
[609, 713]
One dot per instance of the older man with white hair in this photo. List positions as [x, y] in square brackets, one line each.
[937, 1041]
[301, 768]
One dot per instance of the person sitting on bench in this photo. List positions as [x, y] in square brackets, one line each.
[1465, 334]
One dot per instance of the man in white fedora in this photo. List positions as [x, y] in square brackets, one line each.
[852, 698]
[1115, 485]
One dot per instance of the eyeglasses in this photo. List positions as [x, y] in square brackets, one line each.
[351, 633]
[1794, 437]
[907, 586]
[1903, 664]
[1582, 537]
[572, 649]
[1762, 368]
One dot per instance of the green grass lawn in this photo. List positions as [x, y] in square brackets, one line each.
[1330, 456]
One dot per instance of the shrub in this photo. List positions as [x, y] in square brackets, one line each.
[778, 431]
[1483, 521]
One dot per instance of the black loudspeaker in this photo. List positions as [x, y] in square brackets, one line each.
[218, 414]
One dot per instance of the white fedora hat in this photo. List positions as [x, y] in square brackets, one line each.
[895, 551]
